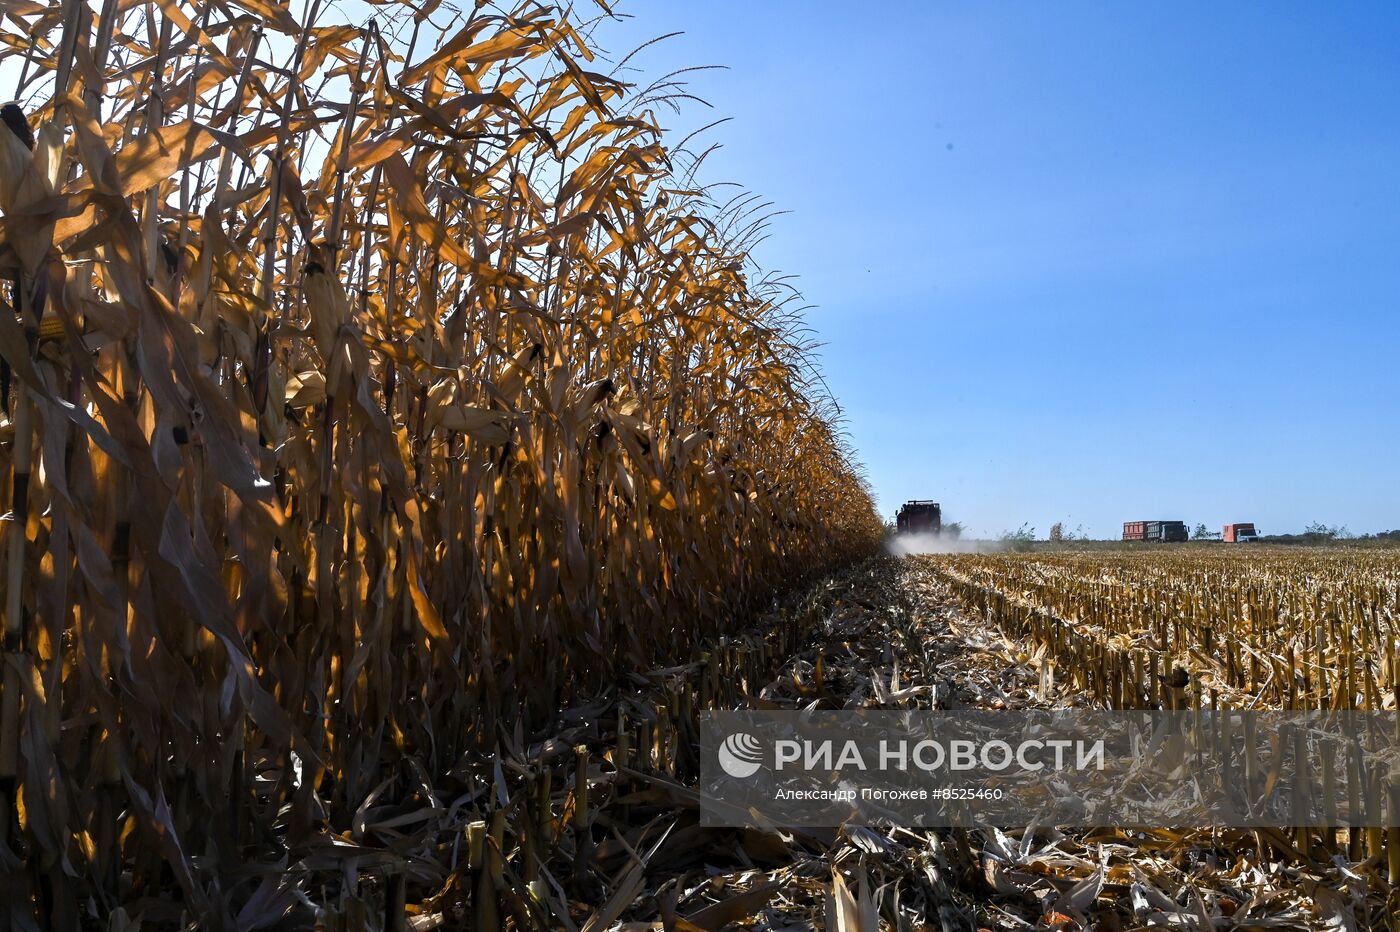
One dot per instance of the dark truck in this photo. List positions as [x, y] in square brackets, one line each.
[1163, 531]
[919, 517]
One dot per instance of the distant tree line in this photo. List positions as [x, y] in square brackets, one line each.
[1319, 533]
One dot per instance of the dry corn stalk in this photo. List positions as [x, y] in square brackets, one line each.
[374, 390]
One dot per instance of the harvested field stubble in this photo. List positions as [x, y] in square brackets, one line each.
[1255, 628]
[370, 393]
[889, 635]
[1213, 628]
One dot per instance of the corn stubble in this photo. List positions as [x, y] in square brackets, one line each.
[1219, 628]
[370, 394]
[1254, 627]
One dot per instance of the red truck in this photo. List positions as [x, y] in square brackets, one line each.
[1240, 533]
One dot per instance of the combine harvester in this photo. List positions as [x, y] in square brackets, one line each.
[919, 517]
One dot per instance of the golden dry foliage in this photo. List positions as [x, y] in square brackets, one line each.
[371, 392]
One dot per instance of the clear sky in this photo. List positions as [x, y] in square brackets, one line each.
[1080, 262]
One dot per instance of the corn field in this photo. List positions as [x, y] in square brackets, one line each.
[1235, 629]
[373, 390]
[1219, 628]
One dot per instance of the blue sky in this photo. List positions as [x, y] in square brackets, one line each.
[1080, 262]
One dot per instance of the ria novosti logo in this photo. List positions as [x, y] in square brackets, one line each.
[939, 768]
[740, 755]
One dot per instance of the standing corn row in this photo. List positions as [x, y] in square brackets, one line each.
[371, 392]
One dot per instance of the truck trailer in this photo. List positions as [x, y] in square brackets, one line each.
[919, 517]
[1240, 534]
[1161, 531]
